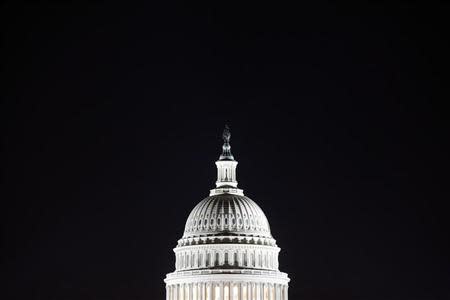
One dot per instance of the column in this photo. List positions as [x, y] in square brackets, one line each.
[208, 291]
[222, 291]
[228, 291]
[204, 291]
[200, 291]
[254, 291]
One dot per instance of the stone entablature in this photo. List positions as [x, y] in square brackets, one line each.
[227, 239]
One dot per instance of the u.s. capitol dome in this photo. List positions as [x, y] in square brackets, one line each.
[227, 251]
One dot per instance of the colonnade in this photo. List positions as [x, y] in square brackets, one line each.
[250, 258]
[227, 291]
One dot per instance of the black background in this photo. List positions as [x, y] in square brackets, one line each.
[113, 115]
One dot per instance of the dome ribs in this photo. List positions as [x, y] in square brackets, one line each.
[222, 218]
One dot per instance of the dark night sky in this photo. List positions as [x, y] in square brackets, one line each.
[113, 116]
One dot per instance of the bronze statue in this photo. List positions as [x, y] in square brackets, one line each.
[226, 134]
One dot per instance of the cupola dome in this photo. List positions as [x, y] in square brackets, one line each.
[227, 214]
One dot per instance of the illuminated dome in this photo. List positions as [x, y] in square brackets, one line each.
[227, 214]
[227, 251]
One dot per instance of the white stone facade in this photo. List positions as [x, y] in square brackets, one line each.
[227, 251]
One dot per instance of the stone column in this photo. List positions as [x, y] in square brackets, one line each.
[208, 291]
[200, 291]
[222, 291]
[204, 291]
